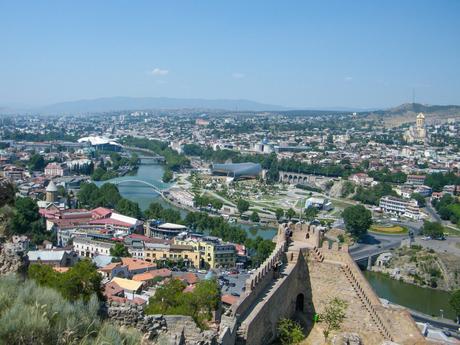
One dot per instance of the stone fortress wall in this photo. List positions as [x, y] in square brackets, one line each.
[298, 280]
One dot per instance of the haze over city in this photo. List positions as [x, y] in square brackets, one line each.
[300, 54]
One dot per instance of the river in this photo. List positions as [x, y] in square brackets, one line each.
[144, 195]
[425, 300]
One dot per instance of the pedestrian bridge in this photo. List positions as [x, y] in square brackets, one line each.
[155, 188]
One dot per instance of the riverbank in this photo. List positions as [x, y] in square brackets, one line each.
[428, 301]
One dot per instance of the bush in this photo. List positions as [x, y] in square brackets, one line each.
[290, 332]
[31, 314]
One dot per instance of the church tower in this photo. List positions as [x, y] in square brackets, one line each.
[420, 120]
[51, 192]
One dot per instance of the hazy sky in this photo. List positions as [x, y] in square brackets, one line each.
[293, 53]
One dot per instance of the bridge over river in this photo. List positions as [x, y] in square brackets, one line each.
[150, 185]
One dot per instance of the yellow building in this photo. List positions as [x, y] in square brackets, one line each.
[213, 253]
[173, 252]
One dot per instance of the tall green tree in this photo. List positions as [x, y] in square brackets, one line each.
[357, 220]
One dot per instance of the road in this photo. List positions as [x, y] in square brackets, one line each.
[443, 324]
[374, 244]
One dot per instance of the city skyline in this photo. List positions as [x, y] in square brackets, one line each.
[298, 55]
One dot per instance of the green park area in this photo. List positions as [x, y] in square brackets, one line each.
[388, 229]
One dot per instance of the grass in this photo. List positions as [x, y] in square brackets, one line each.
[389, 230]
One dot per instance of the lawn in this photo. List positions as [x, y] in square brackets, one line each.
[389, 230]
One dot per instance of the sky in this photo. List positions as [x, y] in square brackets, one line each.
[358, 54]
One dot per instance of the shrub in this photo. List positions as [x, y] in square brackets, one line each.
[33, 314]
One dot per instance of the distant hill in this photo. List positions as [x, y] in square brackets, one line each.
[407, 112]
[145, 103]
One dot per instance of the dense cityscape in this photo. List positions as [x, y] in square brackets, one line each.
[229, 173]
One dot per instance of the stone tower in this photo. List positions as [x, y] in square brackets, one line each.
[51, 192]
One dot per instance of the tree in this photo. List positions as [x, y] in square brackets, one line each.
[455, 303]
[433, 229]
[290, 214]
[36, 162]
[289, 332]
[333, 316]
[79, 282]
[255, 217]
[167, 176]
[154, 211]
[128, 208]
[279, 213]
[419, 198]
[311, 213]
[170, 299]
[357, 220]
[119, 251]
[26, 220]
[242, 206]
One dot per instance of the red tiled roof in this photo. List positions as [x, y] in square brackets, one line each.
[229, 299]
[112, 289]
[189, 278]
[101, 212]
[136, 264]
[163, 272]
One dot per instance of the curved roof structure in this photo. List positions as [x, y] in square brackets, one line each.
[237, 169]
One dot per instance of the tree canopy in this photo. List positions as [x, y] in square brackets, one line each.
[357, 220]
[242, 205]
[433, 229]
[120, 251]
[79, 282]
[170, 299]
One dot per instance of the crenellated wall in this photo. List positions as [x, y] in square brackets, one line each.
[298, 279]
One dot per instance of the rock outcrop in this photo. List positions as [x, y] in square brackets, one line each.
[347, 339]
[12, 260]
[160, 329]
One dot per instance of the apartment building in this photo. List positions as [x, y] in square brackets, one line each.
[406, 208]
[212, 251]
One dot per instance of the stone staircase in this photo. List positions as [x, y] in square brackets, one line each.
[366, 302]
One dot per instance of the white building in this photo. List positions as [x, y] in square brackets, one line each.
[400, 207]
[89, 248]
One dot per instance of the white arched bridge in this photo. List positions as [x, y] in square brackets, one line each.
[155, 188]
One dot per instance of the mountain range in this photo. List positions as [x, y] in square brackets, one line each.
[98, 105]
[146, 103]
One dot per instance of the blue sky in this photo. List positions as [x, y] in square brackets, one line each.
[293, 53]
